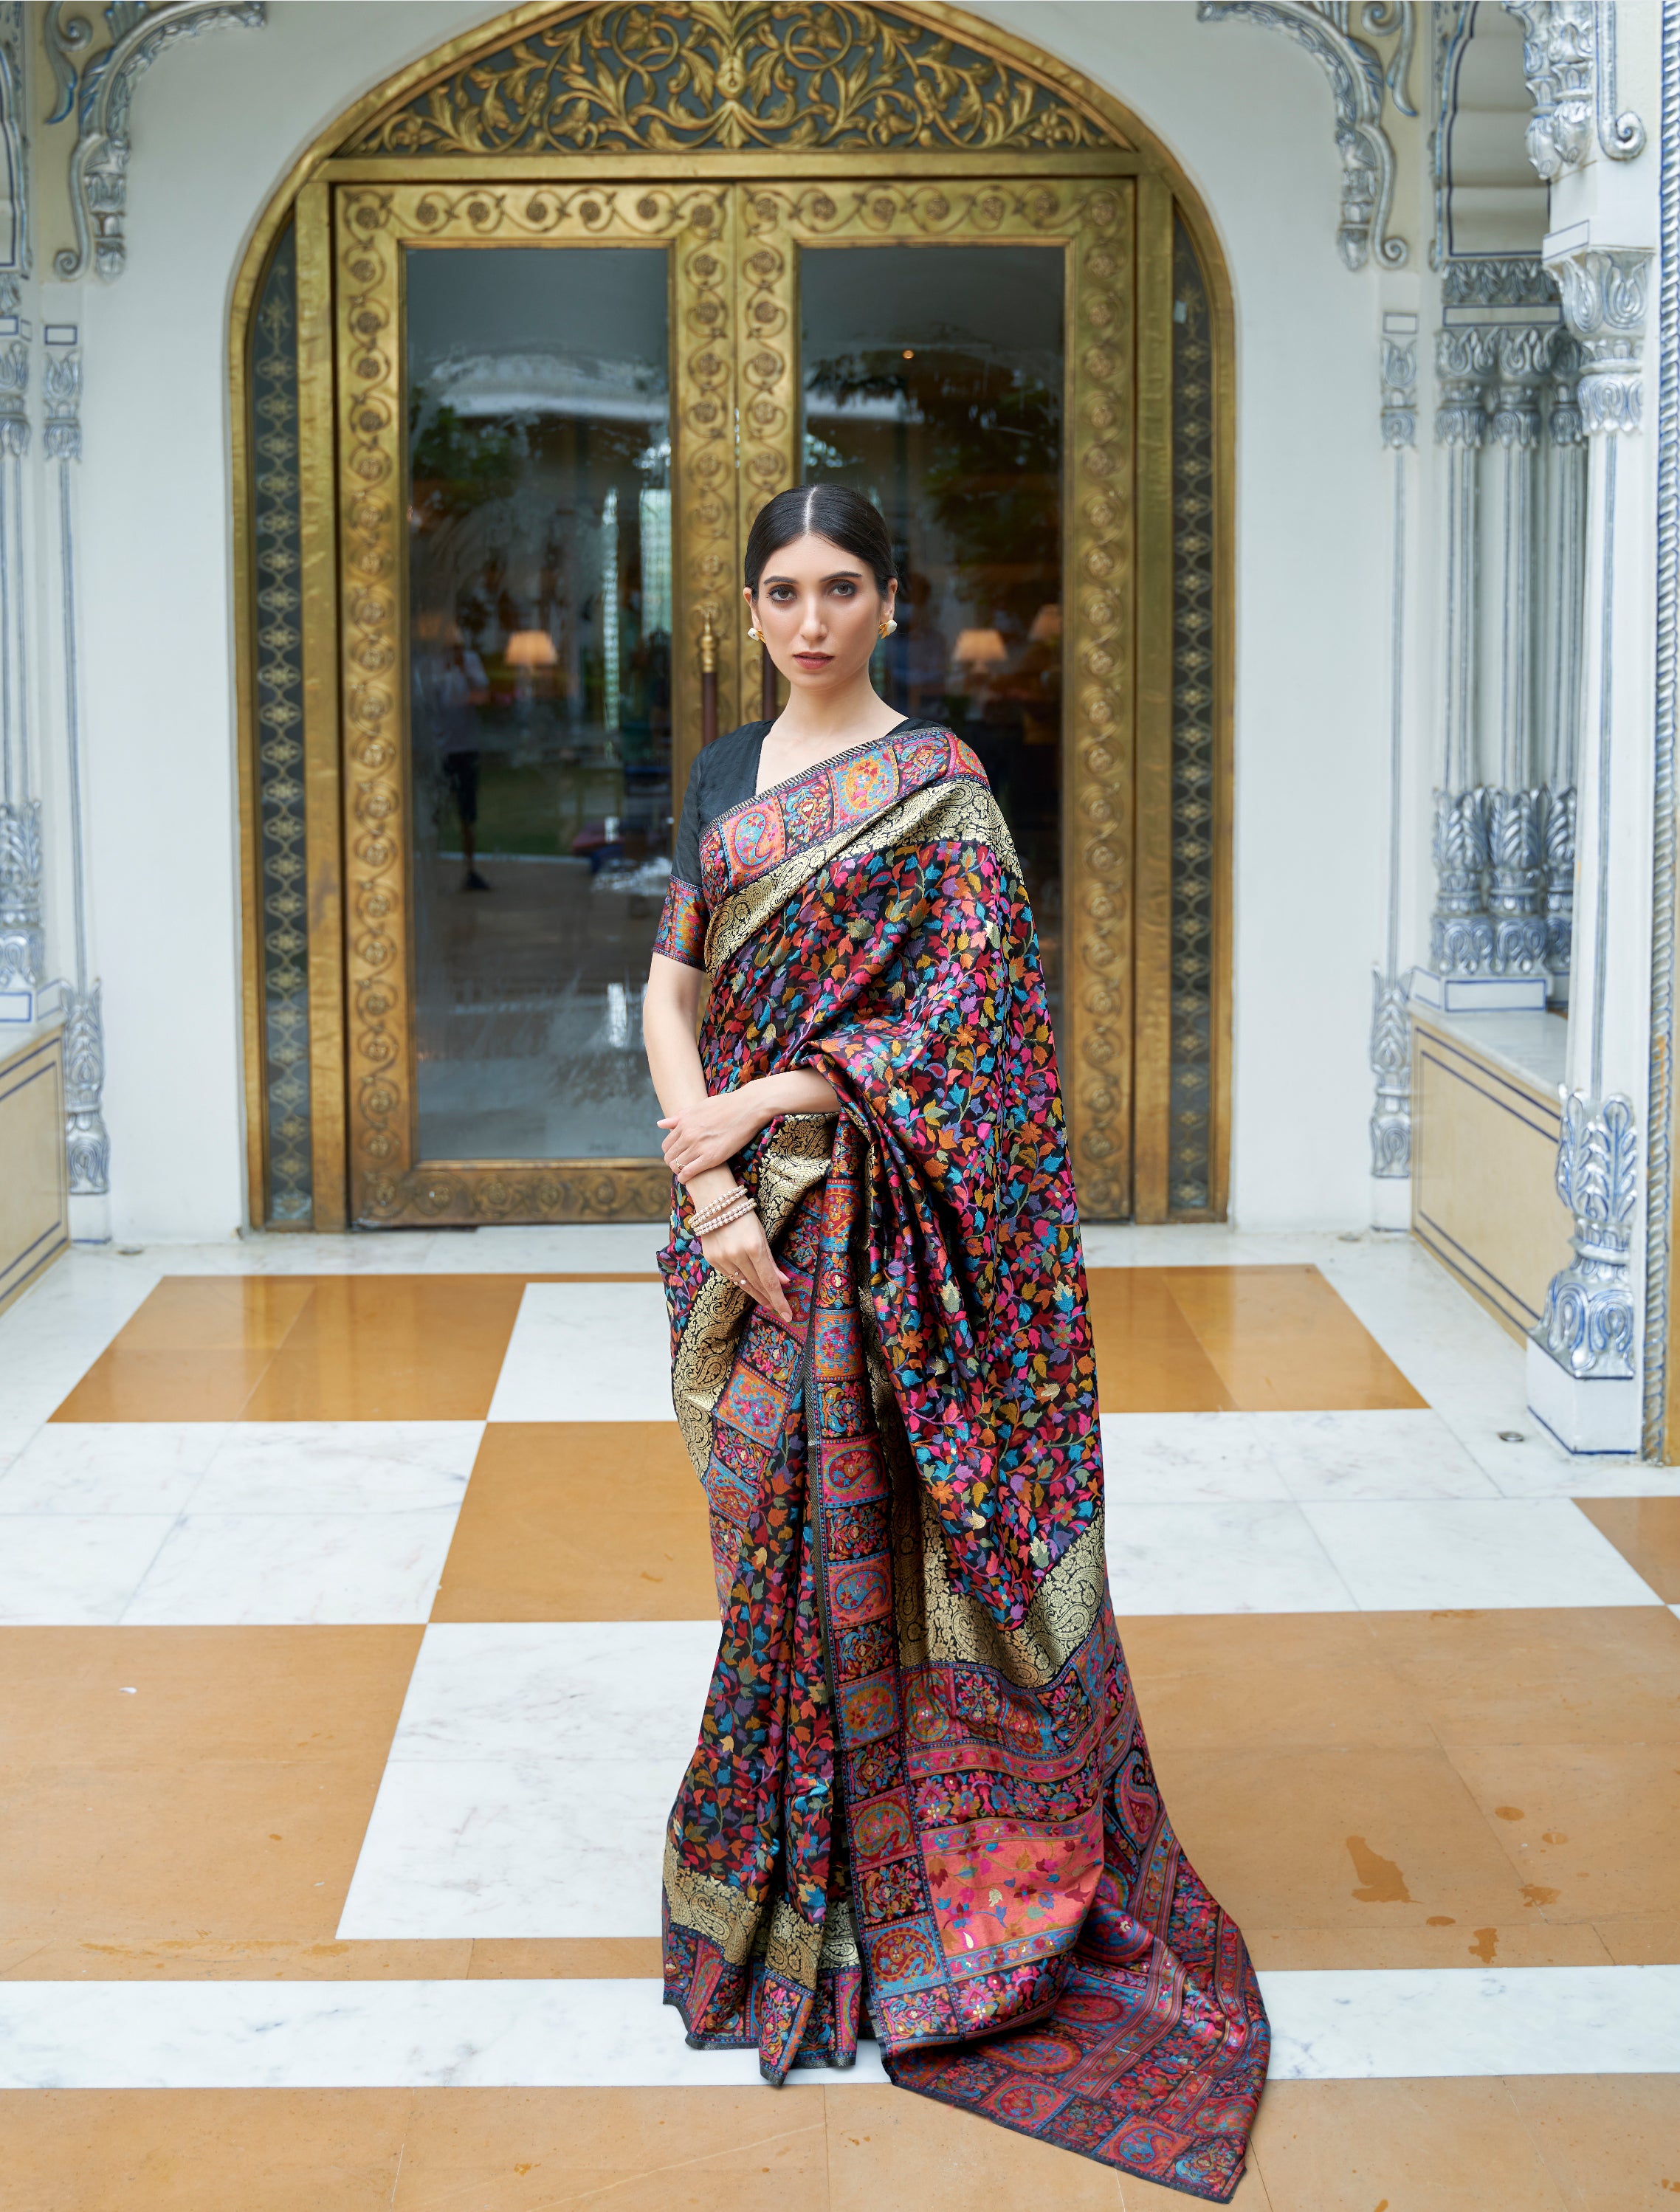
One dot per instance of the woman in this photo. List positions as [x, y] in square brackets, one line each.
[921, 1796]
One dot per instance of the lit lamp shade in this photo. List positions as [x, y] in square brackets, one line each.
[980, 648]
[531, 648]
[1046, 624]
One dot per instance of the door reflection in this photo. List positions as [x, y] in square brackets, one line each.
[539, 591]
[932, 382]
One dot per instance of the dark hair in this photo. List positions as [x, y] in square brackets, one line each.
[844, 517]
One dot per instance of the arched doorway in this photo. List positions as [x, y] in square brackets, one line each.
[518, 353]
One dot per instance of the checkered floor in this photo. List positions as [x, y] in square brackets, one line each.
[355, 1615]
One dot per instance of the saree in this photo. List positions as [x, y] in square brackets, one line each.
[922, 1805]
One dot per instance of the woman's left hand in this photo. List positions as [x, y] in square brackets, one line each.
[709, 1135]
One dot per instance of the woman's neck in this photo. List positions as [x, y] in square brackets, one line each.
[825, 721]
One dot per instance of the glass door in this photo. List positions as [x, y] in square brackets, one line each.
[559, 411]
[535, 396]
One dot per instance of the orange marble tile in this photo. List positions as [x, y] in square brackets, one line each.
[558, 1958]
[1338, 1839]
[1646, 1533]
[1238, 1681]
[166, 1386]
[580, 1521]
[1432, 2146]
[891, 2152]
[1612, 2142]
[1589, 1827]
[218, 1313]
[1642, 1939]
[1282, 1340]
[204, 2150]
[1381, 1949]
[392, 1348]
[1148, 1360]
[224, 1801]
[232, 1960]
[1563, 1674]
[623, 2150]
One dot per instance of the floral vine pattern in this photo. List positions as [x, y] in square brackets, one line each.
[1191, 1162]
[633, 78]
[279, 682]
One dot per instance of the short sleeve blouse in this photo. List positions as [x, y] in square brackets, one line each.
[725, 774]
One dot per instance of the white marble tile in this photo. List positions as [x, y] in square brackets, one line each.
[1397, 2024]
[111, 1467]
[561, 1691]
[75, 1569]
[406, 1252]
[1234, 1556]
[250, 1570]
[367, 2035]
[13, 1436]
[1430, 1554]
[587, 1351]
[1164, 1457]
[338, 1466]
[615, 1247]
[497, 1847]
[1393, 1453]
[54, 1333]
[1413, 2022]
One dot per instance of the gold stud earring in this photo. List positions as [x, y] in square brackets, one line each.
[755, 633]
[888, 626]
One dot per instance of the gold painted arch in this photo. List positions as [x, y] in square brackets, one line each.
[739, 134]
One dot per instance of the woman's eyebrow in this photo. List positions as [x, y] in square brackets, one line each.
[834, 576]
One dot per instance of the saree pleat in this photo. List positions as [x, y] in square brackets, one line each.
[921, 1804]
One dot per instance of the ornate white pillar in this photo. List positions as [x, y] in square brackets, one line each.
[22, 937]
[1515, 809]
[86, 1142]
[1564, 586]
[1391, 1031]
[1461, 936]
[1582, 1362]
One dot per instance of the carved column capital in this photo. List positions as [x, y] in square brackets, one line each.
[1605, 291]
[1524, 356]
[61, 393]
[1399, 375]
[1465, 357]
[1569, 63]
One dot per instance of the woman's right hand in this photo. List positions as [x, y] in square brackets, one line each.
[741, 1252]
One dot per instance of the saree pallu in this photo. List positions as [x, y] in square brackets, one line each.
[921, 1803]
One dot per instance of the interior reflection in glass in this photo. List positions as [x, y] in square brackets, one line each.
[933, 380]
[539, 572]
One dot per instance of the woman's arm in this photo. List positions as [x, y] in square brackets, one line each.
[703, 1134]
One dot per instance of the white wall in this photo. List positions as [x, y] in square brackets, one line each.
[217, 122]
[1247, 114]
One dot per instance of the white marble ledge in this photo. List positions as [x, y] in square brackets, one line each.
[1531, 1046]
[1412, 2023]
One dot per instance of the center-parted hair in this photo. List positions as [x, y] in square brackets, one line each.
[833, 510]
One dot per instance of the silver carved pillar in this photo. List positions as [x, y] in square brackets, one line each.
[88, 1144]
[1391, 1028]
[1582, 1376]
[1461, 936]
[1516, 818]
[1565, 467]
[22, 937]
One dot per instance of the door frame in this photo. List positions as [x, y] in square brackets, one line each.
[1118, 673]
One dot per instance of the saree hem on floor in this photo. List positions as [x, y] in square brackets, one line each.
[921, 1797]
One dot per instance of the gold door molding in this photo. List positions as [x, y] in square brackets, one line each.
[373, 224]
[733, 136]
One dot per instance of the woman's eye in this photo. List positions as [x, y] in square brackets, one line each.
[845, 591]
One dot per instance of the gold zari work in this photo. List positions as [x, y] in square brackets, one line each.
[659, 80]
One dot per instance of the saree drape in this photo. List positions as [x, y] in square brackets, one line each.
[921, 1803]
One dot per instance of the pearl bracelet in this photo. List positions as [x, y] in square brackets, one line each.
[734, 1205]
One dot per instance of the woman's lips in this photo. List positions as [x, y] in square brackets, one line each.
[813, 660]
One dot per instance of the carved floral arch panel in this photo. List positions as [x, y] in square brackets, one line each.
[739, 138]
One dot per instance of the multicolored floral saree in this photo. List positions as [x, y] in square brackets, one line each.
[921, 1804]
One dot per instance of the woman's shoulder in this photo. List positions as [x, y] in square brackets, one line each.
[723, 766]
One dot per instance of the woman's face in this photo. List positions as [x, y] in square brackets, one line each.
[821, 613]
